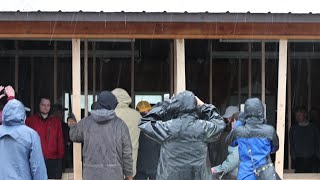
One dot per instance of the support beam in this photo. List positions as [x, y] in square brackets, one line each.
[16, 67]
[249, 72]
[32, 87]
[94, 62]
[210, 72]
[100, 74]
[132, 71]
[263, 72]
[76, 101]
[281, 108]
[239, 81]
[171, 64]
[86, 78]
[289, 104]
[55, 73]
[309, 71]
[179, 66]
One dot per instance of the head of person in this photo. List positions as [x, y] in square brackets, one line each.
[13, 113]
[183, 103]
[231, 114]
[143, 107]
[122, 96]
[254, 110]
[44, 105]
[301, 114]
[106, 100]
[58, 111]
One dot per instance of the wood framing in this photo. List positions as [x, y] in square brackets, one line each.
[249, 71]
[76, 101]
[239, 82]
[210, 73]
[86, 78]
[281, 107]
[94, 62]
[263, 72]
[289, 104]
[55, 72]
[166, 30]
[171, 64]
[16, 67]
[179, 66]
[132, 70]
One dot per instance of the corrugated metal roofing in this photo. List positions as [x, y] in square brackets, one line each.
[158, 17]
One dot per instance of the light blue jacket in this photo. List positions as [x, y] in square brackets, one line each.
[20, 149]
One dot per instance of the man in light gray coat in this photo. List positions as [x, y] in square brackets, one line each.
[107, 151]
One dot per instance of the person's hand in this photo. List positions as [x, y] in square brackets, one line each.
[213, 171]
[71, 122]
[129, 178]
[199, 102]
[9, 91]
[2, 95]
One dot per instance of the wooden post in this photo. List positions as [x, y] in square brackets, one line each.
[171, 64]
[100, 74]
[263, 72]
[250, 72]
[289, 104]
[179, 66]
[210, 72]
[16, 67]
[86, 78]
[32, 87]
[309, 85]
[281, 110]
[94, 71]
[55, 73]
[76, 100]
[239, 82]
[132, 71]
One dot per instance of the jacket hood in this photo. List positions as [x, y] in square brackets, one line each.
[184, 103]
[254, 111]
[122, 96]
[13, 113]
[103, 115]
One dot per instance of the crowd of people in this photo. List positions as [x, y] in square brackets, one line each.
[165, 141]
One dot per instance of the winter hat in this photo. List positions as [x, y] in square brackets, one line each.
[106, 100]
[231, 110]
[143, 106]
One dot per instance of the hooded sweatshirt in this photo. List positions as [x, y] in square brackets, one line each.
[132, 118]
[107, 146]
[20, 150]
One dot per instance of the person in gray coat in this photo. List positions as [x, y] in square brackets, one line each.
[107, 151]
[183, 127]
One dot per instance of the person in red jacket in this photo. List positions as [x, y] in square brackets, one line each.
[51, 137]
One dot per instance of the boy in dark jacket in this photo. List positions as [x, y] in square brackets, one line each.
[256, 141]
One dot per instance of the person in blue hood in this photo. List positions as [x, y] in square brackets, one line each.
[256, 141]
[20, 150]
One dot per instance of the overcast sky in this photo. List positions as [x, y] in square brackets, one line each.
[274, 6]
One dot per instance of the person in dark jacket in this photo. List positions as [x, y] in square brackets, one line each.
[256, 141]
[107, 151]
[50, 131]
[20, 150]
[149, 150]
[304, 142]
[183, 126]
